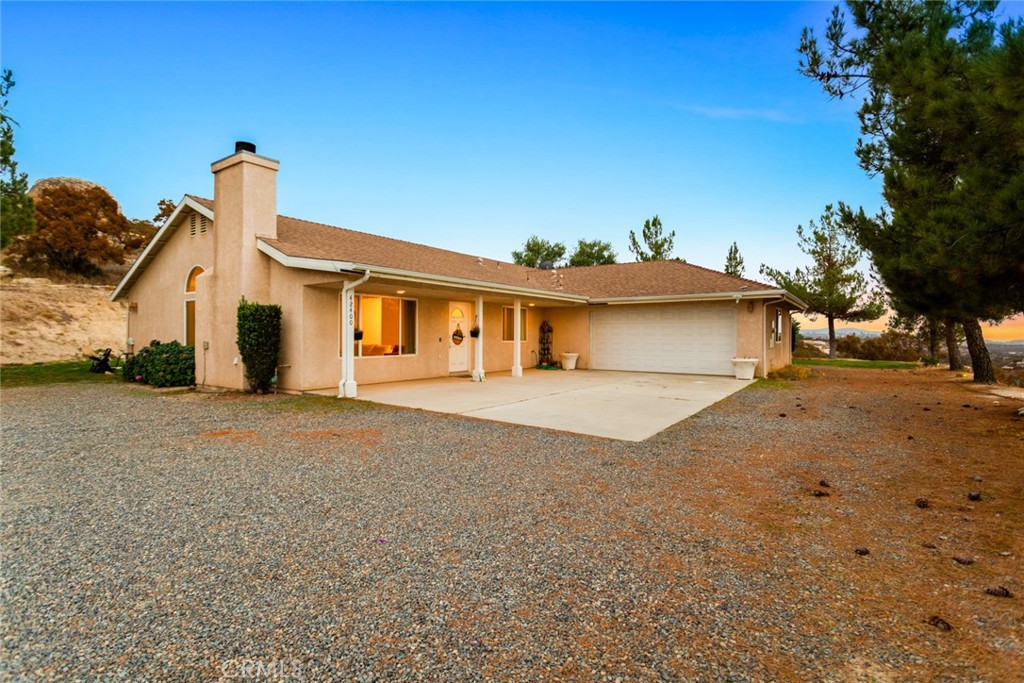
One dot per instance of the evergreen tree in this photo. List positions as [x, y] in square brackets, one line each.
[655, 247]
[940, 123]
[592, 253]
[539, 253]
[17, 213]
[734, 262]
[831, 286]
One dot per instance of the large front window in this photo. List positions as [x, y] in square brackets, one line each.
[388, 325]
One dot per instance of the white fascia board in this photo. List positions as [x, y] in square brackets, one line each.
[324, 265]
[716, 296]
[161, 237]
[327, 265]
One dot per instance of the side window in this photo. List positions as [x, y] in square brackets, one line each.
[508, 321]
[190, 305]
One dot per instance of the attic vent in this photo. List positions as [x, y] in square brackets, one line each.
[202, 225]
[192, 225]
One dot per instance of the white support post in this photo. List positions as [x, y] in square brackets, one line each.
[517, 335]
[478, 346]
[347, 387]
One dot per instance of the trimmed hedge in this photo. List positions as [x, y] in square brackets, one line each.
[259, 343]
[162, 365]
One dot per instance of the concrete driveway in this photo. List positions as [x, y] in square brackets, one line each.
[629, 406]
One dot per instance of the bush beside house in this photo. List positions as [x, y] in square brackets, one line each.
[259, 343]
[162, 365]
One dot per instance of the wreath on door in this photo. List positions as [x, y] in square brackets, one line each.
[457, 335]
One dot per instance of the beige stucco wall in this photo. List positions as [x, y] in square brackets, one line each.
[780, 354]
[157, 301]
[754, 340]
[570, 332]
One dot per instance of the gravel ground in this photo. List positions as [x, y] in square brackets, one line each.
[190, 537]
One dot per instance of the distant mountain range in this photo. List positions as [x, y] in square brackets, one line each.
[822, 333]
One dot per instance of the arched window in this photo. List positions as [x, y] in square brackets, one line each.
[190, 284]
[190, 305]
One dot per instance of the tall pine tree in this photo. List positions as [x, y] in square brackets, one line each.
[17, 212]
[656, 246]
[734, 262]
[831, 286]
[940, 123]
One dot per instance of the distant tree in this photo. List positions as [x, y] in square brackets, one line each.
[592, 253]
[79, 229]
[539, 253]
[165, 207]
[734, 262]
[17, 213]
[831, 286]
[138, 234]
[655, 247]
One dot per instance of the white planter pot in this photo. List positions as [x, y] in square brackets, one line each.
[744, 367]
[569, 361]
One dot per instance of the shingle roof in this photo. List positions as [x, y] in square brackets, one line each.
[652, 279]
[305, 239]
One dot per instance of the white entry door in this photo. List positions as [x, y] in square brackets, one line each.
[698, 339]
[460, 321]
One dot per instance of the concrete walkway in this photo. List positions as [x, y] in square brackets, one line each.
[629, 406]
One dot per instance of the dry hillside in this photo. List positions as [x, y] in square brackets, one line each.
[43, 321]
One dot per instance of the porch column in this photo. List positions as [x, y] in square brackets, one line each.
[347, 385]
[478, 347]
[517, 335]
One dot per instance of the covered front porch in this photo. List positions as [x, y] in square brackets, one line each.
[390, 328]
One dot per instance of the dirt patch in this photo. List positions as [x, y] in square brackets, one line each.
[233, 435]
[43, 321]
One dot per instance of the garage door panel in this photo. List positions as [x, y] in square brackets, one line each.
[677, 338]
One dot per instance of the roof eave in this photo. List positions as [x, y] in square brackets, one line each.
[162, 236]
[780, 294]
[334, 266]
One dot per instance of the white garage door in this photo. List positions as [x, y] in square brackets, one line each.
[680, 338]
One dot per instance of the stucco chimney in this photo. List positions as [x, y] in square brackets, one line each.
[245, 208]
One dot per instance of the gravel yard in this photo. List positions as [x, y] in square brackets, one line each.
[191, 537]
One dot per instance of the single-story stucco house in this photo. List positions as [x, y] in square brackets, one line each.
[416, 305]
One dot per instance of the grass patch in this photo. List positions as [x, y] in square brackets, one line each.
[772, 384]
[308, 404]
[37, 374]
[852, 363]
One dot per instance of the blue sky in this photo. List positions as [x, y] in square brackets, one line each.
[463, 126]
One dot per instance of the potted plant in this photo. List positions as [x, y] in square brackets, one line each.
[357, 334]
[474, 331]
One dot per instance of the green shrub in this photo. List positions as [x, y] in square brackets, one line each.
[259, 342]
[890, 345]
[162, 365]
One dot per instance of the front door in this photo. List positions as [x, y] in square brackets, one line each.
[459, 323]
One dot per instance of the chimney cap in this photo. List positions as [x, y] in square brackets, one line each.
[243, 146]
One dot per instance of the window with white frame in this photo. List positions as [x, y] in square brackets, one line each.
[508, 321]
[388, 326]
[778, 325]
